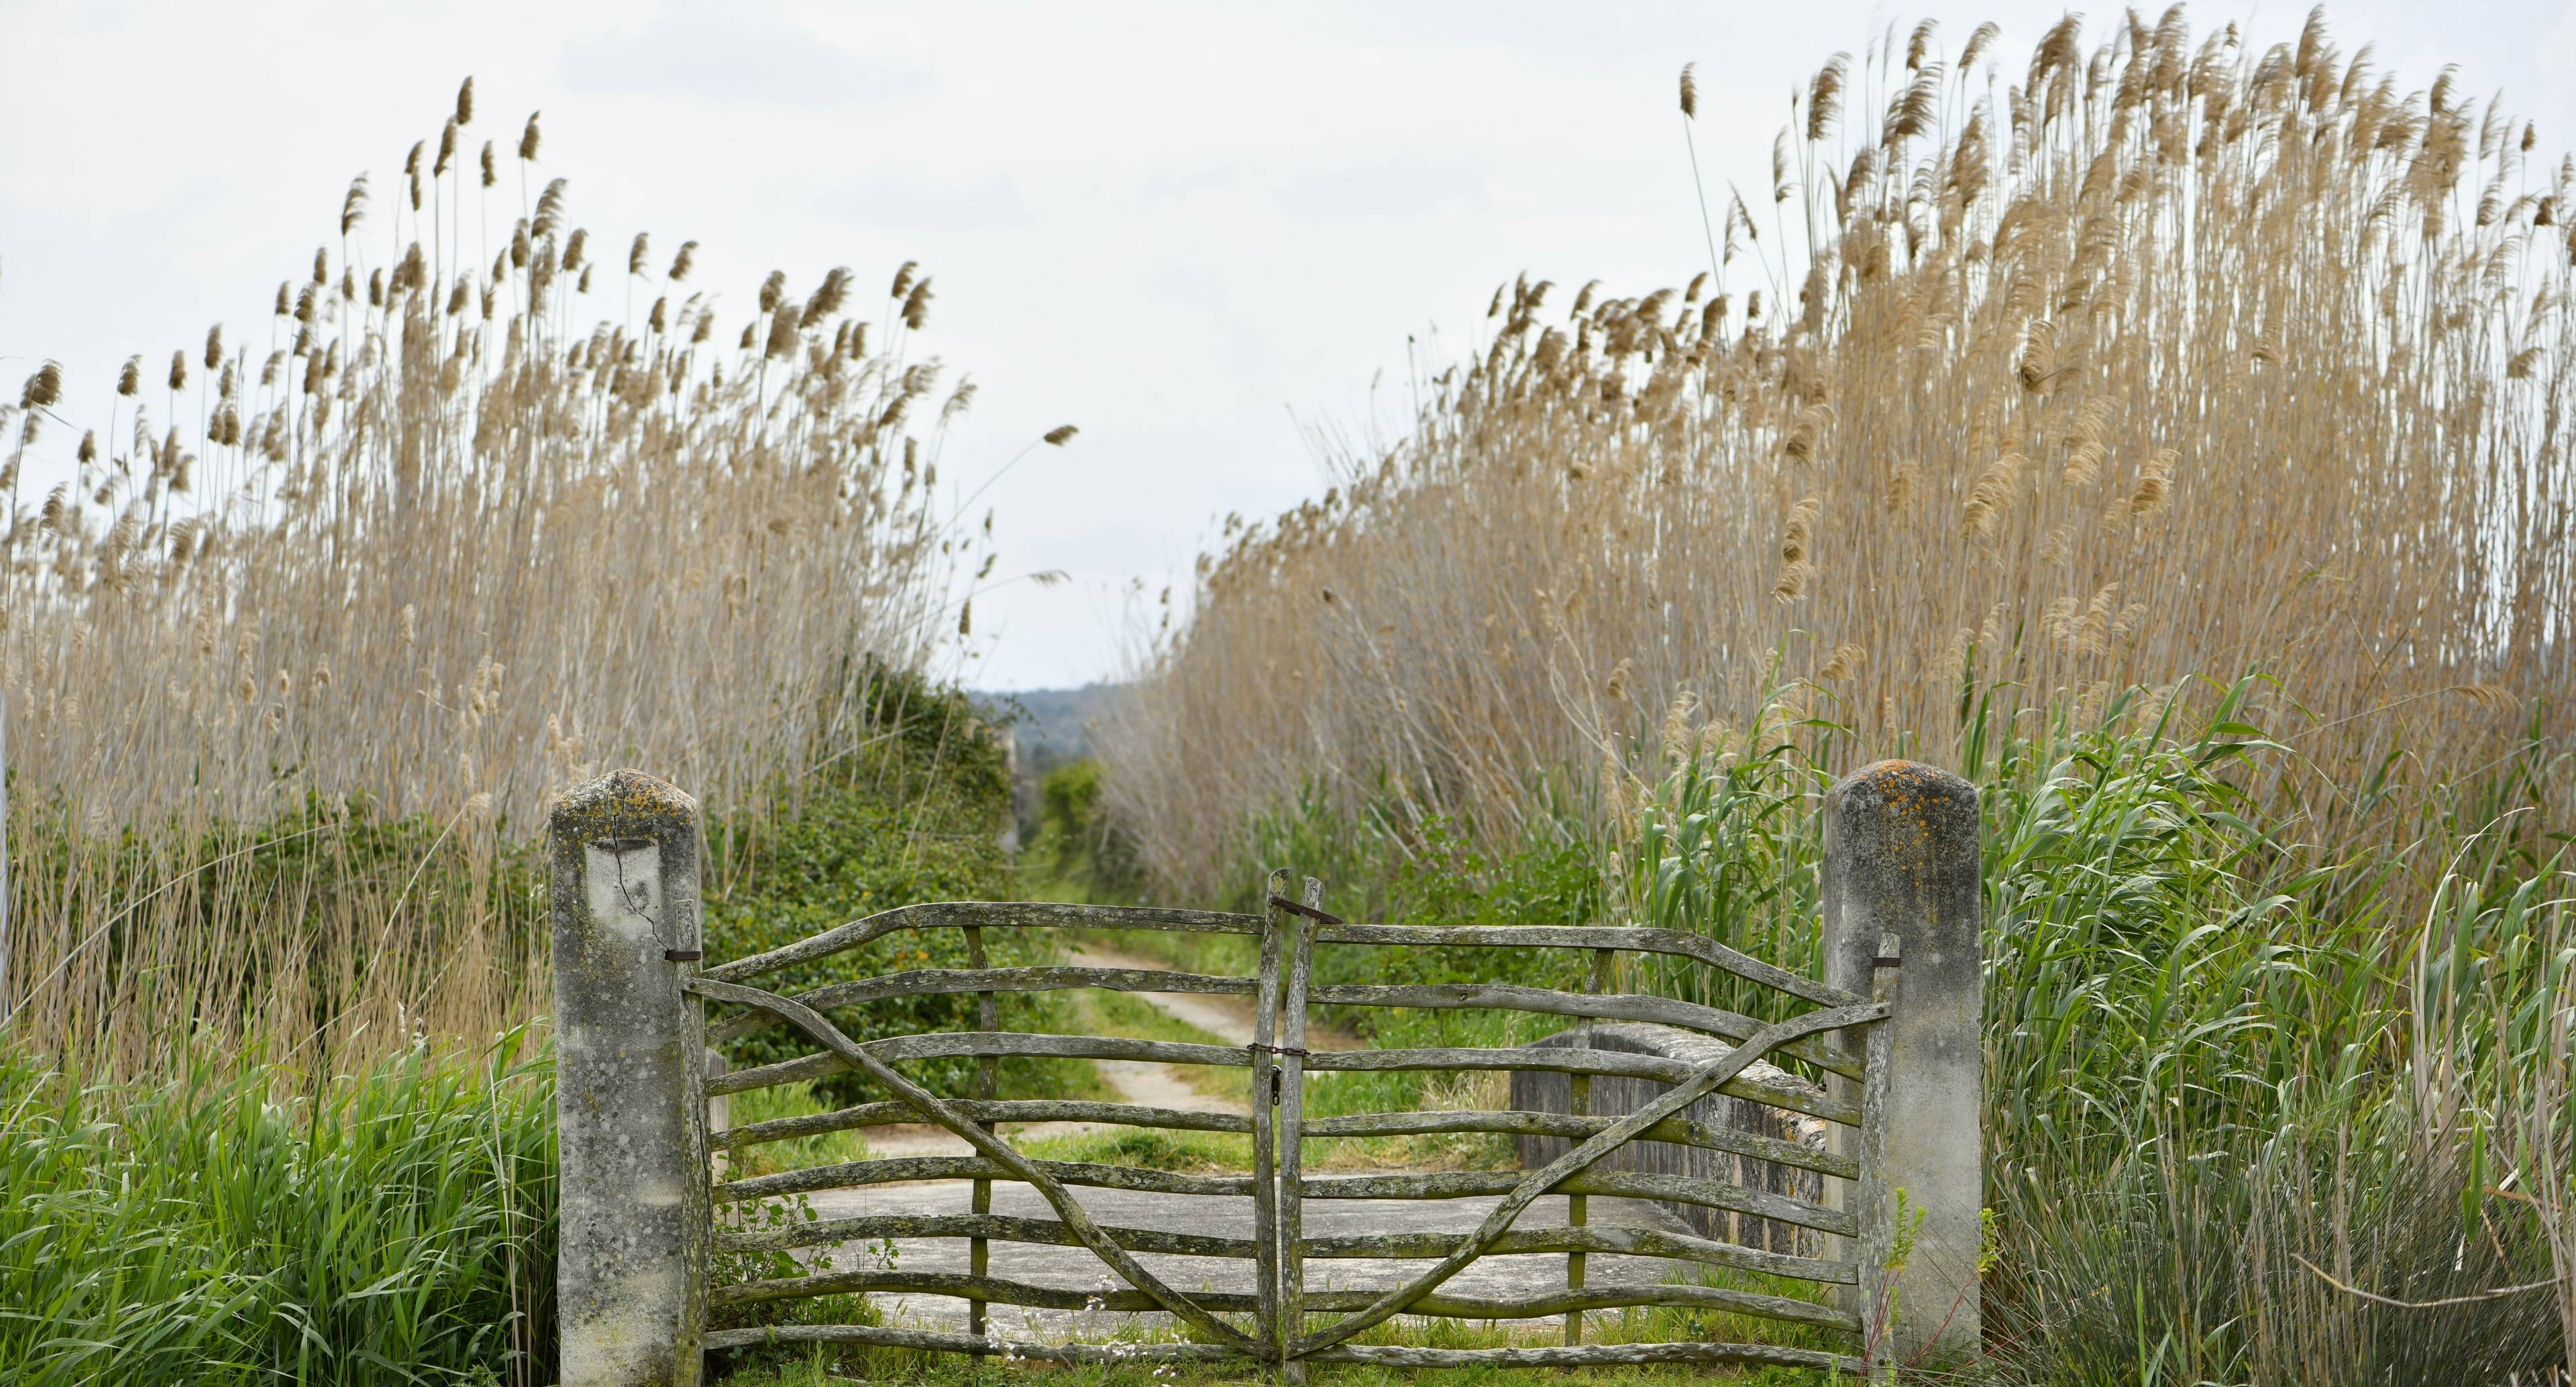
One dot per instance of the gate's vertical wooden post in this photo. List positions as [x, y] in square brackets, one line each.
[1289, 1131]
[1578, 1212]
[631, 1097]
[988, 1017]
[1265, 1081]
[1875, 1295]
[1901, 864]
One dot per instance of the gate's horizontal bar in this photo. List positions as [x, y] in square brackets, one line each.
[1679, 1131]
[959, 914]
[1451, 1184]
[1549, 1356]
[1008, 1110]
[1443, 996]
[1679, 1189]
[1054, 915]
[1616, 1006]
[930, 981]
[935, 1341]
[1610, 1238]
[948, 1044]
[1589, 1355]
[1631, 938]
[1003, 1290]
[1573, 1061]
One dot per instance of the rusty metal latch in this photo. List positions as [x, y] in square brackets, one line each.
[1308, 911]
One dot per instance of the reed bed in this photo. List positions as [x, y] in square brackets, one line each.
[2166, 357]
[325, 612]
[2033, 410]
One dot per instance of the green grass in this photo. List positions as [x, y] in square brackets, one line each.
[396, 1226]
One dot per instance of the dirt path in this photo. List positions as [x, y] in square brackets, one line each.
[1150, 1083]
[1227, 1018]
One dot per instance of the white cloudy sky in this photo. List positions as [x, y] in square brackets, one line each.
[1201, 232]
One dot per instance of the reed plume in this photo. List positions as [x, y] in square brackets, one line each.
[458, 546]
[2176, 345]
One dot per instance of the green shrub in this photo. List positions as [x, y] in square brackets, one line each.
[909, 808]
[1074, 848]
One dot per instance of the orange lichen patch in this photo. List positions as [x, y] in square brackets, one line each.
[1914, 794]
[622, 797]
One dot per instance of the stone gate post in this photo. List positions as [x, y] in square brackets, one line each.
[1901, 859]
[630, 1097]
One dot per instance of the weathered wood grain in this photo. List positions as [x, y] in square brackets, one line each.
[1608, 1006]
[1265, 1175]
[1873, 1247]
[1588, 1356]
[1633, 1242]
[948, 1044]
[1008, 1110]
[897, 1049]
[1447, 1184]
[934, 1341]
[1055, 915]
[1437, 996]
[988, 1016]
[1579, 1160]
[1680, 1131]
[1278, 1302]
[1677, 1130]
[1635, 940]
[1291, 1118]
[1570, 1061]
[1003, 1290]
[959, 914]
[1591, 1355]
[992, 1148]
[1578, 1210]
[922, 982]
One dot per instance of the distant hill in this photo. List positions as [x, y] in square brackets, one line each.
[1050, 726]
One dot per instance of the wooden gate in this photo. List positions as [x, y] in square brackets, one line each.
[1845, 1039]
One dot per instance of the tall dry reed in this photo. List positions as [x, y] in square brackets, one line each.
[2168, 357]
[322, 618]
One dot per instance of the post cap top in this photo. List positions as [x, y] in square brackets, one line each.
[621, 803]
[1906, 786]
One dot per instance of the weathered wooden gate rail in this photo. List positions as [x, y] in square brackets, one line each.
[633, 1281]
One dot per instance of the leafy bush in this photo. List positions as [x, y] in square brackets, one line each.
[910, 809]
[1074, 847]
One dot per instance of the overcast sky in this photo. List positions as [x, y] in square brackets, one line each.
[1200, 232]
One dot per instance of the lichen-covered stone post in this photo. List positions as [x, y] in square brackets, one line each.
[631, 1093]
[1901, 861]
